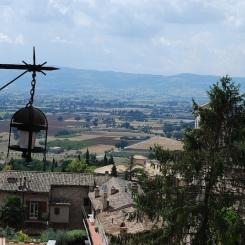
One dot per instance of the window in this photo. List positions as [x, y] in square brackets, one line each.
[56, 211]
[33, 210]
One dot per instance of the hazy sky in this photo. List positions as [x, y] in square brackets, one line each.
[140, 36]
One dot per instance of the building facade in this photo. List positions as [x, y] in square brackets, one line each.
[50, 199]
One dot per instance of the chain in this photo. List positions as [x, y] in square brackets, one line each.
[32, 91]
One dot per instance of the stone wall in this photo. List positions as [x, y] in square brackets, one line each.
[75, 196]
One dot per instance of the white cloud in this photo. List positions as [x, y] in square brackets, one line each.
[59, 39]
[19, 39]
[60, 6]
[82, 19]
[163, 41]
[4, 38]
[163, 36]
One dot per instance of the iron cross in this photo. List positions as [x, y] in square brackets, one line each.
[27, 68]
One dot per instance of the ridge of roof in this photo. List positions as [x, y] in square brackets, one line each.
[39, 181]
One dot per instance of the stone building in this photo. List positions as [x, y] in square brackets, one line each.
[139, 160]
[51, 199]
[111, 203]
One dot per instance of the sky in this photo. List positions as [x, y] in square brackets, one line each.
[136, 36]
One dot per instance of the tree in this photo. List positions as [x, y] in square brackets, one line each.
[60, 118]
[203, 184]
[87, 157]
[114, 170]
[105, 161]
[53, 165]
[111, 160]
[127, 125]
[77, 166]
[131, 167]
[12, 213]
[7, 167]
[121, 144]
[93, 158]
[77, 118]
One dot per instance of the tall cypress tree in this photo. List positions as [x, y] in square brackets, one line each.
[131, 163]
[105, 161]
[111, 160]
[53, 165]
[201, 191]
[114, 170]
[87, 157]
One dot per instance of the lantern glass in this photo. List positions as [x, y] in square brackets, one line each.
[24, 139]
[29, 120]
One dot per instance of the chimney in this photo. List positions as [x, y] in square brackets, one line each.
[105, 201]
[96, 191]
[123, 228]
[113, 190]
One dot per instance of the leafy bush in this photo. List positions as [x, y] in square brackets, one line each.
[72, 237]
[36, 165]
[8, 233]
[11, 212]
[22, 237]
[64, 132]
[48, 235]
[121, 144]
[76, 236]
[62, 238]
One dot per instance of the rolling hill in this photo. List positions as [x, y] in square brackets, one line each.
[109, 83]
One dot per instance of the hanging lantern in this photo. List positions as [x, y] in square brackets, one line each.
[28, 121]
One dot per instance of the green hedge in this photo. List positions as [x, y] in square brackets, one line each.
[72, 237]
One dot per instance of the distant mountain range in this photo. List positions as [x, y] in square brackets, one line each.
[110, 84]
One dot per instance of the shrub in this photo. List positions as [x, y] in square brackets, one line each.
[76, 236]
[64, 132]
[62, 238]
[8, 233]
[48, 235]
[11, 212]
[72, 237]
[121, 144]
[22, 237]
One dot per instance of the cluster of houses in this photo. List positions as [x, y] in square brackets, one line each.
[99, 203]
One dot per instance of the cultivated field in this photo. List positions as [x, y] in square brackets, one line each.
[100, 149]
[166, 143]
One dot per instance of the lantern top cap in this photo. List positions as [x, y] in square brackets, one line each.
[29, 117]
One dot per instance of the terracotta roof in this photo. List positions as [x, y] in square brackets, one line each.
[111, 221]
[139, 157]
[42, 181]
[118, 200]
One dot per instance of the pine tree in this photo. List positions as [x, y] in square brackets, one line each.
[114, 170]
[202, 188]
